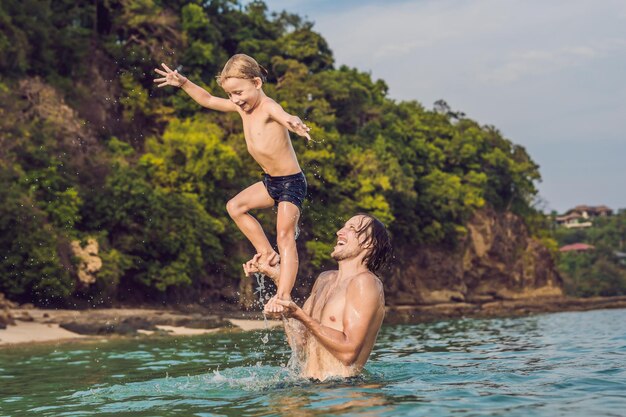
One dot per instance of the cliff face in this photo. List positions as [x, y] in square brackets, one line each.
[497, 260]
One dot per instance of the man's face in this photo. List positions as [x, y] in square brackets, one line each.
[243, 92]
[349, 244]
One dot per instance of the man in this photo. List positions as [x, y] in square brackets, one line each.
[334, 332]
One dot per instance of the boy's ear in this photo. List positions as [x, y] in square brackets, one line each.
[258, 82]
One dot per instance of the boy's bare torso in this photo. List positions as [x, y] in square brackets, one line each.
[328, 307]
[268, 141]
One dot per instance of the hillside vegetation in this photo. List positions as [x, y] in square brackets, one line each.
[90, 148]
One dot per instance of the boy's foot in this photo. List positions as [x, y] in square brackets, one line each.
[255, 266]
[269, 258]
[273, 307]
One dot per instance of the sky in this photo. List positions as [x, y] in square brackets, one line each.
[550, 75]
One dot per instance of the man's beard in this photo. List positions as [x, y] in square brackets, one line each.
[341, 255]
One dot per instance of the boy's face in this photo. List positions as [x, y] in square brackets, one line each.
[243, 92]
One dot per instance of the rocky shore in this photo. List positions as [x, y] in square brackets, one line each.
[503, 308]
[26, 324]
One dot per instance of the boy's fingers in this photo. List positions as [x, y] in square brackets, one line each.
[166, 67]
[158, 71]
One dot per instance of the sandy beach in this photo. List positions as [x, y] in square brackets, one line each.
[44, 325]
[33, 325]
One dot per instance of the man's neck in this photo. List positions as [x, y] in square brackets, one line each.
[350, 267]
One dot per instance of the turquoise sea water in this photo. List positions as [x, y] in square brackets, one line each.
[565, 364]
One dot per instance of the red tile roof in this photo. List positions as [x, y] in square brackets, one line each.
[576, 247]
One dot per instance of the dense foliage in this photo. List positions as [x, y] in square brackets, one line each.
[90, 148]
[601, 271]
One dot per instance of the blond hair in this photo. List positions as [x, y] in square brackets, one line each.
[242, 66]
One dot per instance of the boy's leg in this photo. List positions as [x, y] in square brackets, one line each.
[286, 224]
[253, 197]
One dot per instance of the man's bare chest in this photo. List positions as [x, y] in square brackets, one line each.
[330, 306]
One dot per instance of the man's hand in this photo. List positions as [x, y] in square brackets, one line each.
[298, 127]
[289, 307]
[169, 77]
[251, 267]
[272, 308]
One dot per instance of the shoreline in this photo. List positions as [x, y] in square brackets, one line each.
[41, 326]
[411, 314]
[35, 326]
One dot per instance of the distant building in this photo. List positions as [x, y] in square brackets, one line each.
[577, 247]
[579, 216]
[572, 221]
[591, 211]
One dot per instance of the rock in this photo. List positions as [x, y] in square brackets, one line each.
[98, 328]
[24, 316]
[443, 296]
[6, 318]
[196, 321]
[4, 303]
[129, 325]
[204, 323]
[90, 262]
[139, 323]
[498, 259]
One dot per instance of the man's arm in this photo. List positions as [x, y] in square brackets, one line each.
[363, 299]
[294, 329]
[199, 94]
[292, 123]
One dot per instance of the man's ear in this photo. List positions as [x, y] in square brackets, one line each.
[368, 243]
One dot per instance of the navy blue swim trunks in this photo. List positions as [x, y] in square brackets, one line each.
[290, 188]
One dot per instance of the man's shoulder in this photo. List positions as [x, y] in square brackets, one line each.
[367, 281]
[327, 275]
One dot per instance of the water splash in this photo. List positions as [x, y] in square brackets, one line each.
[260, 280]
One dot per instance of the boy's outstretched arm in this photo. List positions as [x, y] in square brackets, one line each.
[199, 94]
[293, 123]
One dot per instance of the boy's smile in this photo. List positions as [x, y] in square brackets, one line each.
[245, 93]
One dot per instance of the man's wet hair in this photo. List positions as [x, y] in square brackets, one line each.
[378, 238]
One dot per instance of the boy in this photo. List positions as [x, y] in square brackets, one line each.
[265, 127]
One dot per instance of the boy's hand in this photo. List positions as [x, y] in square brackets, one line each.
[170, 77]
[298, 127]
